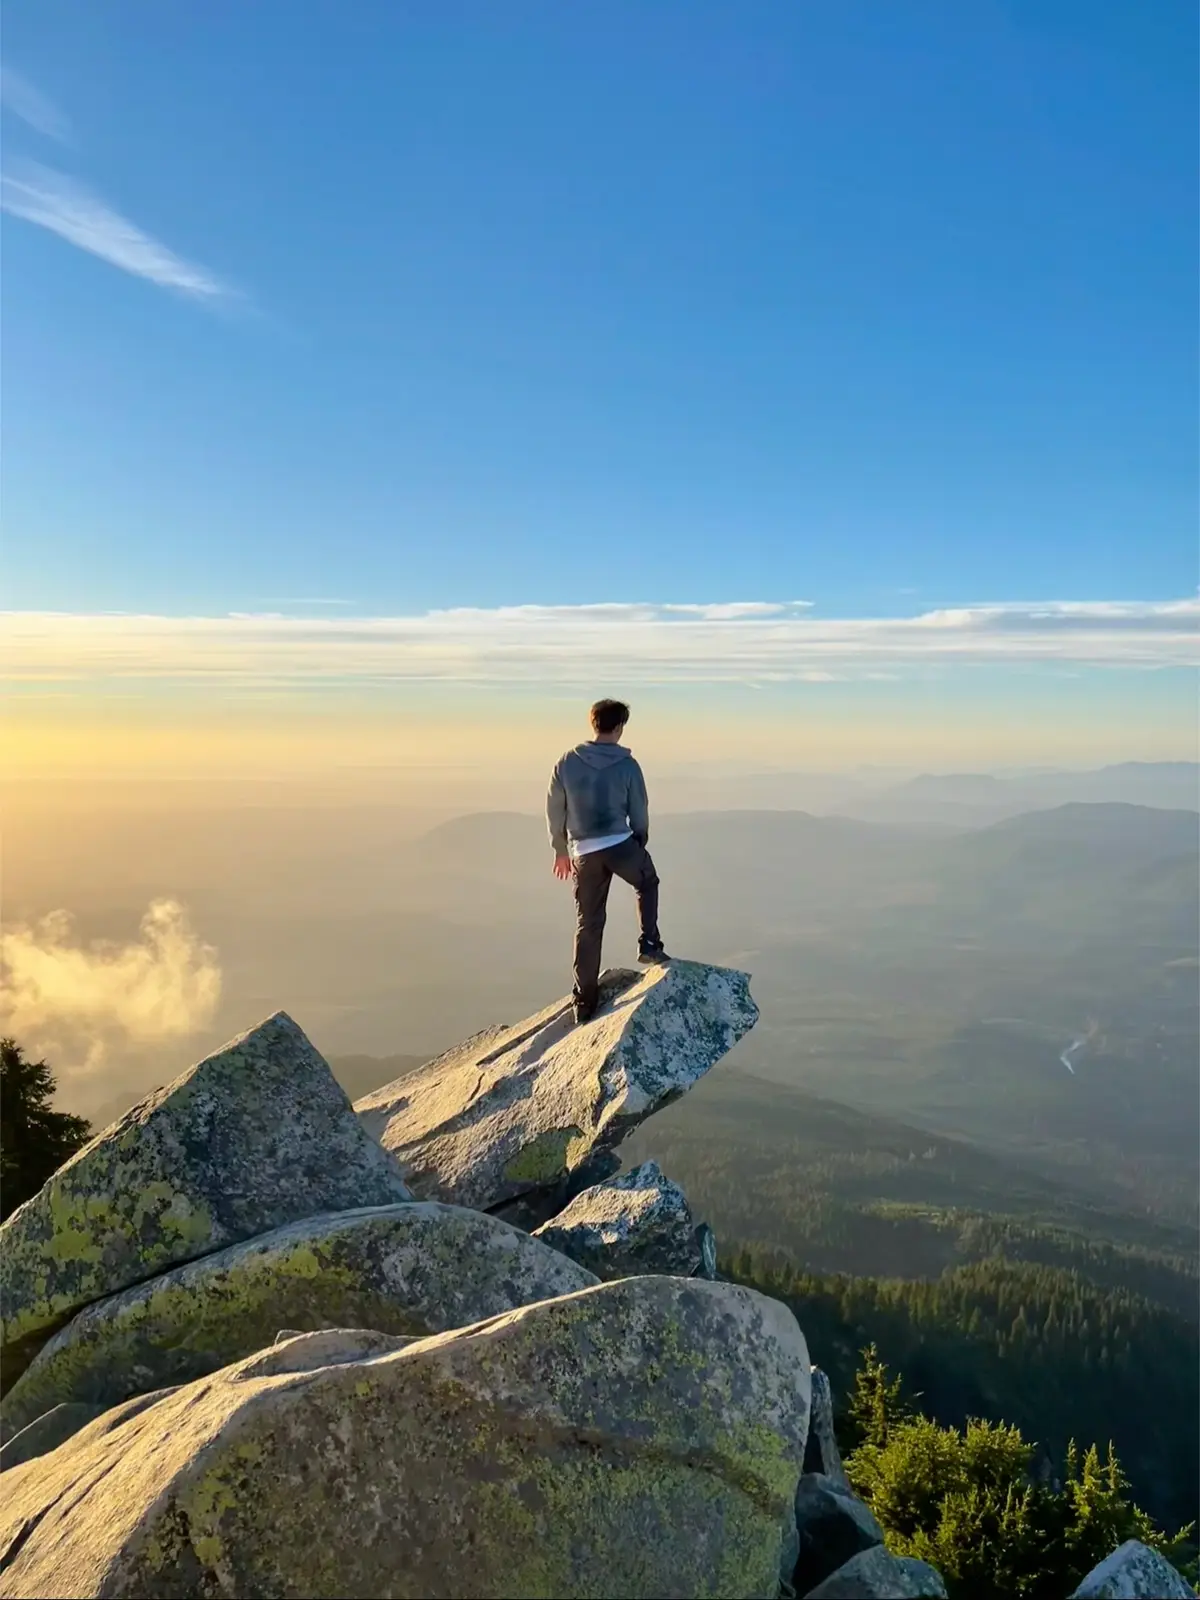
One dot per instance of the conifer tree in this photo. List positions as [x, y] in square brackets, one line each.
[34, 1140]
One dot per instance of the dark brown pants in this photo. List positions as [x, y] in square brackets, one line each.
[629, 861]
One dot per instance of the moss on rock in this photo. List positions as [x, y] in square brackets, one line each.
[544, 1158]
[412, 1269]
[517, 1109]
[640, 1438]
[254, 1136]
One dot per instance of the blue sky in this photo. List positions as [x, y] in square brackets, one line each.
[875, 306]
[622, 346]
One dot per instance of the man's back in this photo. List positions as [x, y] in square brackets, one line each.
[599, 822]
[597, 791]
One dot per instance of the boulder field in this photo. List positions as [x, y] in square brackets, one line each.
[259, 1343]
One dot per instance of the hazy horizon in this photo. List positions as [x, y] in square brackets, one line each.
[134, 925]
[819, 379]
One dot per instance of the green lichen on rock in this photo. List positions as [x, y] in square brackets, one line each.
[639, 1438]
[411, 1269]
[254, 1136]
[544, 1159]
[517, 1109]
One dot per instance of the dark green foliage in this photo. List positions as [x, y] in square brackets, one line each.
[876, 1403]
[973, 1503]
[1041, 1348]
[34, 1140]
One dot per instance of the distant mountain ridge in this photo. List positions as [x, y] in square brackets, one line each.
[965, 800]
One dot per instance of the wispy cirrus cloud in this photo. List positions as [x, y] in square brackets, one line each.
[34, 108]
[575, 645]
[53, 201]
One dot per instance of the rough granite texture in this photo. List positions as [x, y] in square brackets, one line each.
[517, 1108]
[876, 1574]
[823, 1455]
[412, 1269]
[833, 1526]
[637, 1222]
[328, 1347]
[640, 1438]
[47, 1432]
[64, 1422]
[538, 1206]
[257, 1135]
[1134, 1570]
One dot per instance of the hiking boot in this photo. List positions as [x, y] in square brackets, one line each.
[582, 1013]
[653, 956]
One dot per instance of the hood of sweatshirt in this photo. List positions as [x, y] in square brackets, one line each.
[601, 755]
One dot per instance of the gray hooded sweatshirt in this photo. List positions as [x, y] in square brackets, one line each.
[596, 790]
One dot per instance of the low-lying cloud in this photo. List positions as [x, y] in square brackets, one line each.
[77, 1001]
[743, 641]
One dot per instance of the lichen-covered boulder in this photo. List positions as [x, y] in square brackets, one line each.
[833, 1526]
[876, 1574]
[518, 1108]
[638, 1221]
[1134, 1570]
[822, 1454]
[640, 1438]
[412, 1269]
[254, 1136]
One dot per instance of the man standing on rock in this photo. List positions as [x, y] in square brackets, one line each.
[599, 822]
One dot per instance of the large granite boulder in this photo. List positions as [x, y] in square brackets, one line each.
[1134, 1570]
[519, 1108]
[833, 1526]
[257, 1135]
[640, 1438]
[410, 1269]
[291, 1352]
[638, 1221]
[876, 1574]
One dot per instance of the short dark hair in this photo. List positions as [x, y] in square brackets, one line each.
[609, 715]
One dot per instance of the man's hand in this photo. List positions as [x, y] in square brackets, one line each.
[562, 867]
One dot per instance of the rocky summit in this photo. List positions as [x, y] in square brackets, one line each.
[249, 1364]
[519, 1108]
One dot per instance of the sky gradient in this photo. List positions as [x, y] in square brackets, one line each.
[821, 375]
